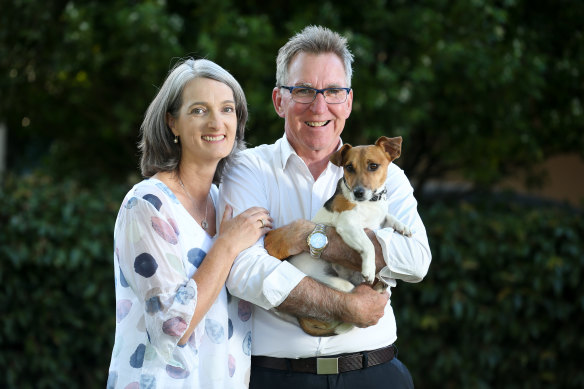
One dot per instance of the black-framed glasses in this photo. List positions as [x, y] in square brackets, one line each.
[306, 95]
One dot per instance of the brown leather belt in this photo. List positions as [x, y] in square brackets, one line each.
[328, 365]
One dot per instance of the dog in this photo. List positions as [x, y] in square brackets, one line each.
[359, 202]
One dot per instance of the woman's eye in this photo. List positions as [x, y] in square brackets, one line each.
[229, 109]
[197, 111]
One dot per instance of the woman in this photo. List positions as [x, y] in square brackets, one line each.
[176, 325]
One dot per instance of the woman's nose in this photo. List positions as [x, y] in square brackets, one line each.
[214, 120]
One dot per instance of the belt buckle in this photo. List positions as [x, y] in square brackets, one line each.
[327, 365]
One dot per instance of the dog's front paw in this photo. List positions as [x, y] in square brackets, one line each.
[403, 229]
[276, 243]
[368, 271]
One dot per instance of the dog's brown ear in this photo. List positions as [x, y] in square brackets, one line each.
[338, 156]
[392, 146]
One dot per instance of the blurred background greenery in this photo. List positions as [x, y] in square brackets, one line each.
[485, 93]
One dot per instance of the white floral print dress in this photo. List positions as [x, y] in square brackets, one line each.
[158, 247]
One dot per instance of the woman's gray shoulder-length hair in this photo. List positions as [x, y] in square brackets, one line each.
[159, 152]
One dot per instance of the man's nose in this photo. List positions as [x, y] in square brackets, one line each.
[318, 105]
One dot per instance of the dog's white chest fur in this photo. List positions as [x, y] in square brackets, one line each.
[350, 226]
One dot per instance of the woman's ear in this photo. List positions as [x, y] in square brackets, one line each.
[170, 123]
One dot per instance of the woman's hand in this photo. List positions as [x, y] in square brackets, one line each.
[245, 229]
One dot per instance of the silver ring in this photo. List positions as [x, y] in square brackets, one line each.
[262, 221]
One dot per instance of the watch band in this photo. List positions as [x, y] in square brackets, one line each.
[315, 252]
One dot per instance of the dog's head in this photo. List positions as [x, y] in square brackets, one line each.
[365, 167]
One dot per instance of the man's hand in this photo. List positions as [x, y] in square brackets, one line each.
[365, 306]
[362, 307]
[288, 240]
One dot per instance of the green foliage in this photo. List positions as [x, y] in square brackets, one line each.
[482, 88]
[57, 283]
[502, 305]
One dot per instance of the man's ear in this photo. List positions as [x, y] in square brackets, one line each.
[277, 100]
[339, 155]
[349, 104]
[392, 146]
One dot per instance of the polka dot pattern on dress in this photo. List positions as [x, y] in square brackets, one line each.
[122, 309]
[185, 294]
[214, 331]
[154, 200]
[175, 326]
[244, 310]
[177, 372]
[246, 346]
[231, 365]
[153, 305]
[137, 358]
[145, 265]
[157, 249]
[196, 256]
[164, 229]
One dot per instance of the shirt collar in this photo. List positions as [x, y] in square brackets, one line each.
[286, 151]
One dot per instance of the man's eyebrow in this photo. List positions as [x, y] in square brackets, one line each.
[306, 84]
[309, 85]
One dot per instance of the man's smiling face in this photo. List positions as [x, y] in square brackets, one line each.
[315, 127]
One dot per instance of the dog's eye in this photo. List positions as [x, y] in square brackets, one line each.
[350, 168]
[372, 167]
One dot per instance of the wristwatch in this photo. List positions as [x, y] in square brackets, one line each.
[317, 241]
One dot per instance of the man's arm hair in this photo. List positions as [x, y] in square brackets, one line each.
[362, 307]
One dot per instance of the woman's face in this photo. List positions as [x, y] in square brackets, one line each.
[206, 123]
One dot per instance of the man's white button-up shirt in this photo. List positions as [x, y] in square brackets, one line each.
[276, 178]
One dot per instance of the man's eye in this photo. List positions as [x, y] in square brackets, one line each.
[372, 167]
[334, 92]
[303, 92]
[350, 168]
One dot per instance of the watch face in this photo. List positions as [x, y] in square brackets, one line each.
[318, 240]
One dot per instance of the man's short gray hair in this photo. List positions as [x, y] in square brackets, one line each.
[159, 152]
[313, 40]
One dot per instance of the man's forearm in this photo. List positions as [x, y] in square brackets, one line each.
[290, 240]
[313, 299]
[363, 306]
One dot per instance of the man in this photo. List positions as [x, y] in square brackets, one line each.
[292, 178]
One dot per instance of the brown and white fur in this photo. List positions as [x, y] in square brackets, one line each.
[359, 202]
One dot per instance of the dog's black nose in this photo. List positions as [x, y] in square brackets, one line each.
[358, 193]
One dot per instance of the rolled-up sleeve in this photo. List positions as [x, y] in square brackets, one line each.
[255, 275]
[407, 258]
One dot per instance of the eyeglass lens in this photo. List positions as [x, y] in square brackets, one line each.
[308, 95]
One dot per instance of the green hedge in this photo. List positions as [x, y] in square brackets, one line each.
[500, 308]
[58, 320]
[502, 305]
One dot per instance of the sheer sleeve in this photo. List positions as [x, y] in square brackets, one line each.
[149, 255]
